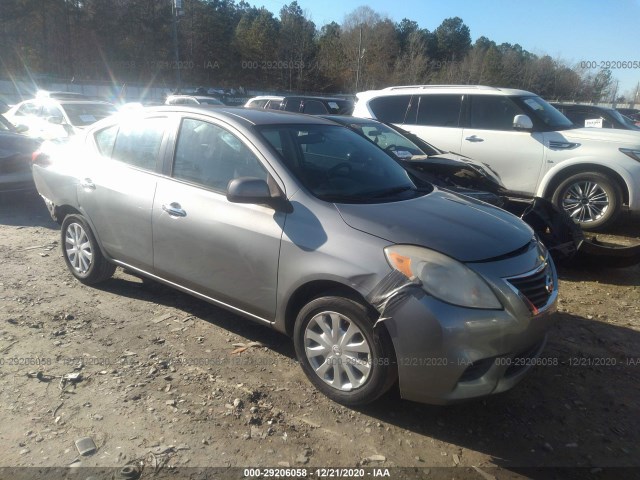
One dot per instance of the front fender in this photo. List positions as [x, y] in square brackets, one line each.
[628, 171]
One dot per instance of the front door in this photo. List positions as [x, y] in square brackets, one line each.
[515, 156]
[226, 251]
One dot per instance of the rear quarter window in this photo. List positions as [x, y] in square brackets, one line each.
[391, 109]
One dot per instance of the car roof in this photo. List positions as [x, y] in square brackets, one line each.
[266, 97]
[458, 89]
[348, 119]
[197, 97]
[247, 116]
[307, 97]
[581, 106]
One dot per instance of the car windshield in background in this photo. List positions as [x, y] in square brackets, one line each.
[624, 120]
[388, 139]
[83, 114]
[210, 101]
[5, 125]
[544, 112]
[338, 165]
[340, 107]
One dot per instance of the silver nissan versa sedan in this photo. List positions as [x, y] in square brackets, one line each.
[301, 224]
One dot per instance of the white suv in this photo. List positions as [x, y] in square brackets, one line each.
[594, 174]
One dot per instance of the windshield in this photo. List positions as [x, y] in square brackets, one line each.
[624, 120]
[538, 109]
[338, 165]
[83, 114]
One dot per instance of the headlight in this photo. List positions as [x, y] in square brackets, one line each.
[443, 277]
[631, 152]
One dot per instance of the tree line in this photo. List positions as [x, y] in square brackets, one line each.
[224, 43]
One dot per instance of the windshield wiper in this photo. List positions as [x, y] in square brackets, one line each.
[390, 191]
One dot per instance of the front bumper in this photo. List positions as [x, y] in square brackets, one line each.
[446, 353]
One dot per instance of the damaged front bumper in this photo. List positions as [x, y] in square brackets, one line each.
[447, 353]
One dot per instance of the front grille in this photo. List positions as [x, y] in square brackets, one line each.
[536, 287]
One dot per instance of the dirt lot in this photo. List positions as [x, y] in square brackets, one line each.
[153, 375]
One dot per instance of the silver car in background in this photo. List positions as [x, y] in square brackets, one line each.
[301, 224]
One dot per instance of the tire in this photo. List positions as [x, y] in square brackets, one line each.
[591, 199]
[87, 264]
[353, 373]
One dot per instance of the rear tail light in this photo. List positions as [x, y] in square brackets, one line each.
[40, 158]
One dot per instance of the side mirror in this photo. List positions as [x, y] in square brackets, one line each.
[253, 190]
[21, 128]
[522, 122]
[56, 120]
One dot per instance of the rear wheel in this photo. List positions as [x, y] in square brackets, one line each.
[591, 199]
[81, 252]
[340, 352]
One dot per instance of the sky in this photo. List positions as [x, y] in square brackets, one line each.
[570, 30]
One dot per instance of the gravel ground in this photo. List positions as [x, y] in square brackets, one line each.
[155, 376]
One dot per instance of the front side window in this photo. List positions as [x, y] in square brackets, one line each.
[138, 142]
[546, 117]
[211, 156]
[391, 109]
[338, 165]
[439, 110]
[490, 112]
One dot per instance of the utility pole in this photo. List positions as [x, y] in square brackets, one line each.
[176, 7]
[360, 55]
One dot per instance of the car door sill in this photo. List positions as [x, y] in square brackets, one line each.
[193, 292]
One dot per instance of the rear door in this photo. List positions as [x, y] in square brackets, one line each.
[436, 119]
[226, 251]
[516, 156]
[118, 190]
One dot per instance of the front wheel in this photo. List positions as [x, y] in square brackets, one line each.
[82, 253]
[591, 199]
[340, 352]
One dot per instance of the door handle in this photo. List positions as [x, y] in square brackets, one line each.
[87, 184]
[473, 138]
[174, 209]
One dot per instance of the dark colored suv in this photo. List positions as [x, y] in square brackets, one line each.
[317, 105]
[595, 116]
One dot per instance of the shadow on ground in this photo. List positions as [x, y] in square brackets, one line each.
[24, 209]
[586, 395]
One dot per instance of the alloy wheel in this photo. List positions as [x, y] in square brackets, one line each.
[78, 248]
[585, 201]
[337, 351]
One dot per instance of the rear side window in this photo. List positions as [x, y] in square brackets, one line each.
[439, 110]
[291, 105]
[391, 109]
[138, 142]
[273, 104]
[490, 112]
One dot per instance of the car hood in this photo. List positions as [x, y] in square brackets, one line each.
[459, 170]
[603, 135]
[458, 227]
